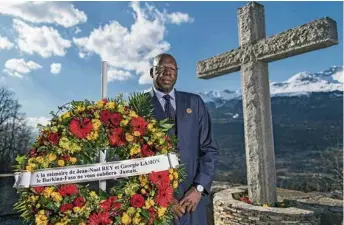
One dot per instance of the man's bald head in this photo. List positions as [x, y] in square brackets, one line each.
[157, 59]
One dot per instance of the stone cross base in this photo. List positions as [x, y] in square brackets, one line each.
[228, 210]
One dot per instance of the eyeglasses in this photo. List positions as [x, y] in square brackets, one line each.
[164, 68]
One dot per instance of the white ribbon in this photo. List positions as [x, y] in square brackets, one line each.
[95, 172]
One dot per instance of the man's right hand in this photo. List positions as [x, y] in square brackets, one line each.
[177, 209]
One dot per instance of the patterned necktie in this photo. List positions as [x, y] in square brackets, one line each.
[169, 111]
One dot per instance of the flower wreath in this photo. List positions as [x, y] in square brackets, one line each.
[127, 130]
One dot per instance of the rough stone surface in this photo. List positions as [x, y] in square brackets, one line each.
[227, 210]
[312, 36]
[259, 144]
[308, 208]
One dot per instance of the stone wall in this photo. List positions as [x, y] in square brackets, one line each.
[308, 208]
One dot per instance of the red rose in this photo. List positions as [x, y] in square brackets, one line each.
[137, 201]
[79, 201]
[38, 189]
[102, 218]
[65, 207]
[146, 150]
[115, 119]
[81, 128]
[54, 138]
[68, 189]
[117, 137]
[139, 124]
[165, 196]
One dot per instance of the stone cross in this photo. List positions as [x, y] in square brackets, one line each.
[252, 58]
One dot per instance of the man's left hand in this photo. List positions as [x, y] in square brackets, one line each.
[191, 199]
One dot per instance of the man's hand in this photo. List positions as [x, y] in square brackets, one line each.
[191, 199]
[177, 209]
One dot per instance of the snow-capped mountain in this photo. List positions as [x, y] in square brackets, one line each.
[301, 83]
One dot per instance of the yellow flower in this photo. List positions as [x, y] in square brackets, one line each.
[82, 223]
[175, 174]
[93, 195]
[170, 171]
[64, 143]
[150, 126]
[76, 209]
[119, 196]
[170, 176]
[96, 115]
[47, 192]
[54, 129]
[93, 135]
[74, 147]
[143, 180]
[96, 123]
[137, 220]
[100, 104]
[60, 162]
[51, 157]
[38, 205]
[73, 160]
[131, 211]
[132, 113]
[164, 151]
[56, 196]
[265, 205]
[150, 143]
[80, 108]
[65, 115]
[143, 191]
[137, 133]
[110, 105]
[29, 168]
[41, 219]
[149, 203]
[33, 198]
[120, 109]
[129, 137]
[126, 219]
[136, 149]
[161, 211]
[161, 141]
[175, 184]
[124, 123]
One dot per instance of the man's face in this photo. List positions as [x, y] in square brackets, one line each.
[165, 74]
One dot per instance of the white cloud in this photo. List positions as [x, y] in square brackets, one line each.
[45, 41]
[339, 76]
[34, 121]
[115, 74]
[131, 49]
[77, 30]
[179, 17]
[18, 67]
[55, 68]
[5, 43]
[61, 13]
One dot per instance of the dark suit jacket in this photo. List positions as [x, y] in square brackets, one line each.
[196, 146]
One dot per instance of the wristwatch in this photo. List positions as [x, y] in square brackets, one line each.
[199, 188]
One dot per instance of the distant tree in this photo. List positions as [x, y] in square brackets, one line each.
[15, 134]
[331, 162]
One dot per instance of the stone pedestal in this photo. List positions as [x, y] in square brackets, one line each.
[228, 210]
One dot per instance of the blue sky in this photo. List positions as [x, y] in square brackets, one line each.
[35, 36]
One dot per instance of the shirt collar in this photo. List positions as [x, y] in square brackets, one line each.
[160, 94]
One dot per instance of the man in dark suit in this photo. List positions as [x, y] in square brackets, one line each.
[196, 146]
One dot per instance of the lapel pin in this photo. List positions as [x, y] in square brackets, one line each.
[188, 110]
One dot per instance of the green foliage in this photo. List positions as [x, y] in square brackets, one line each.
[140, 102]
